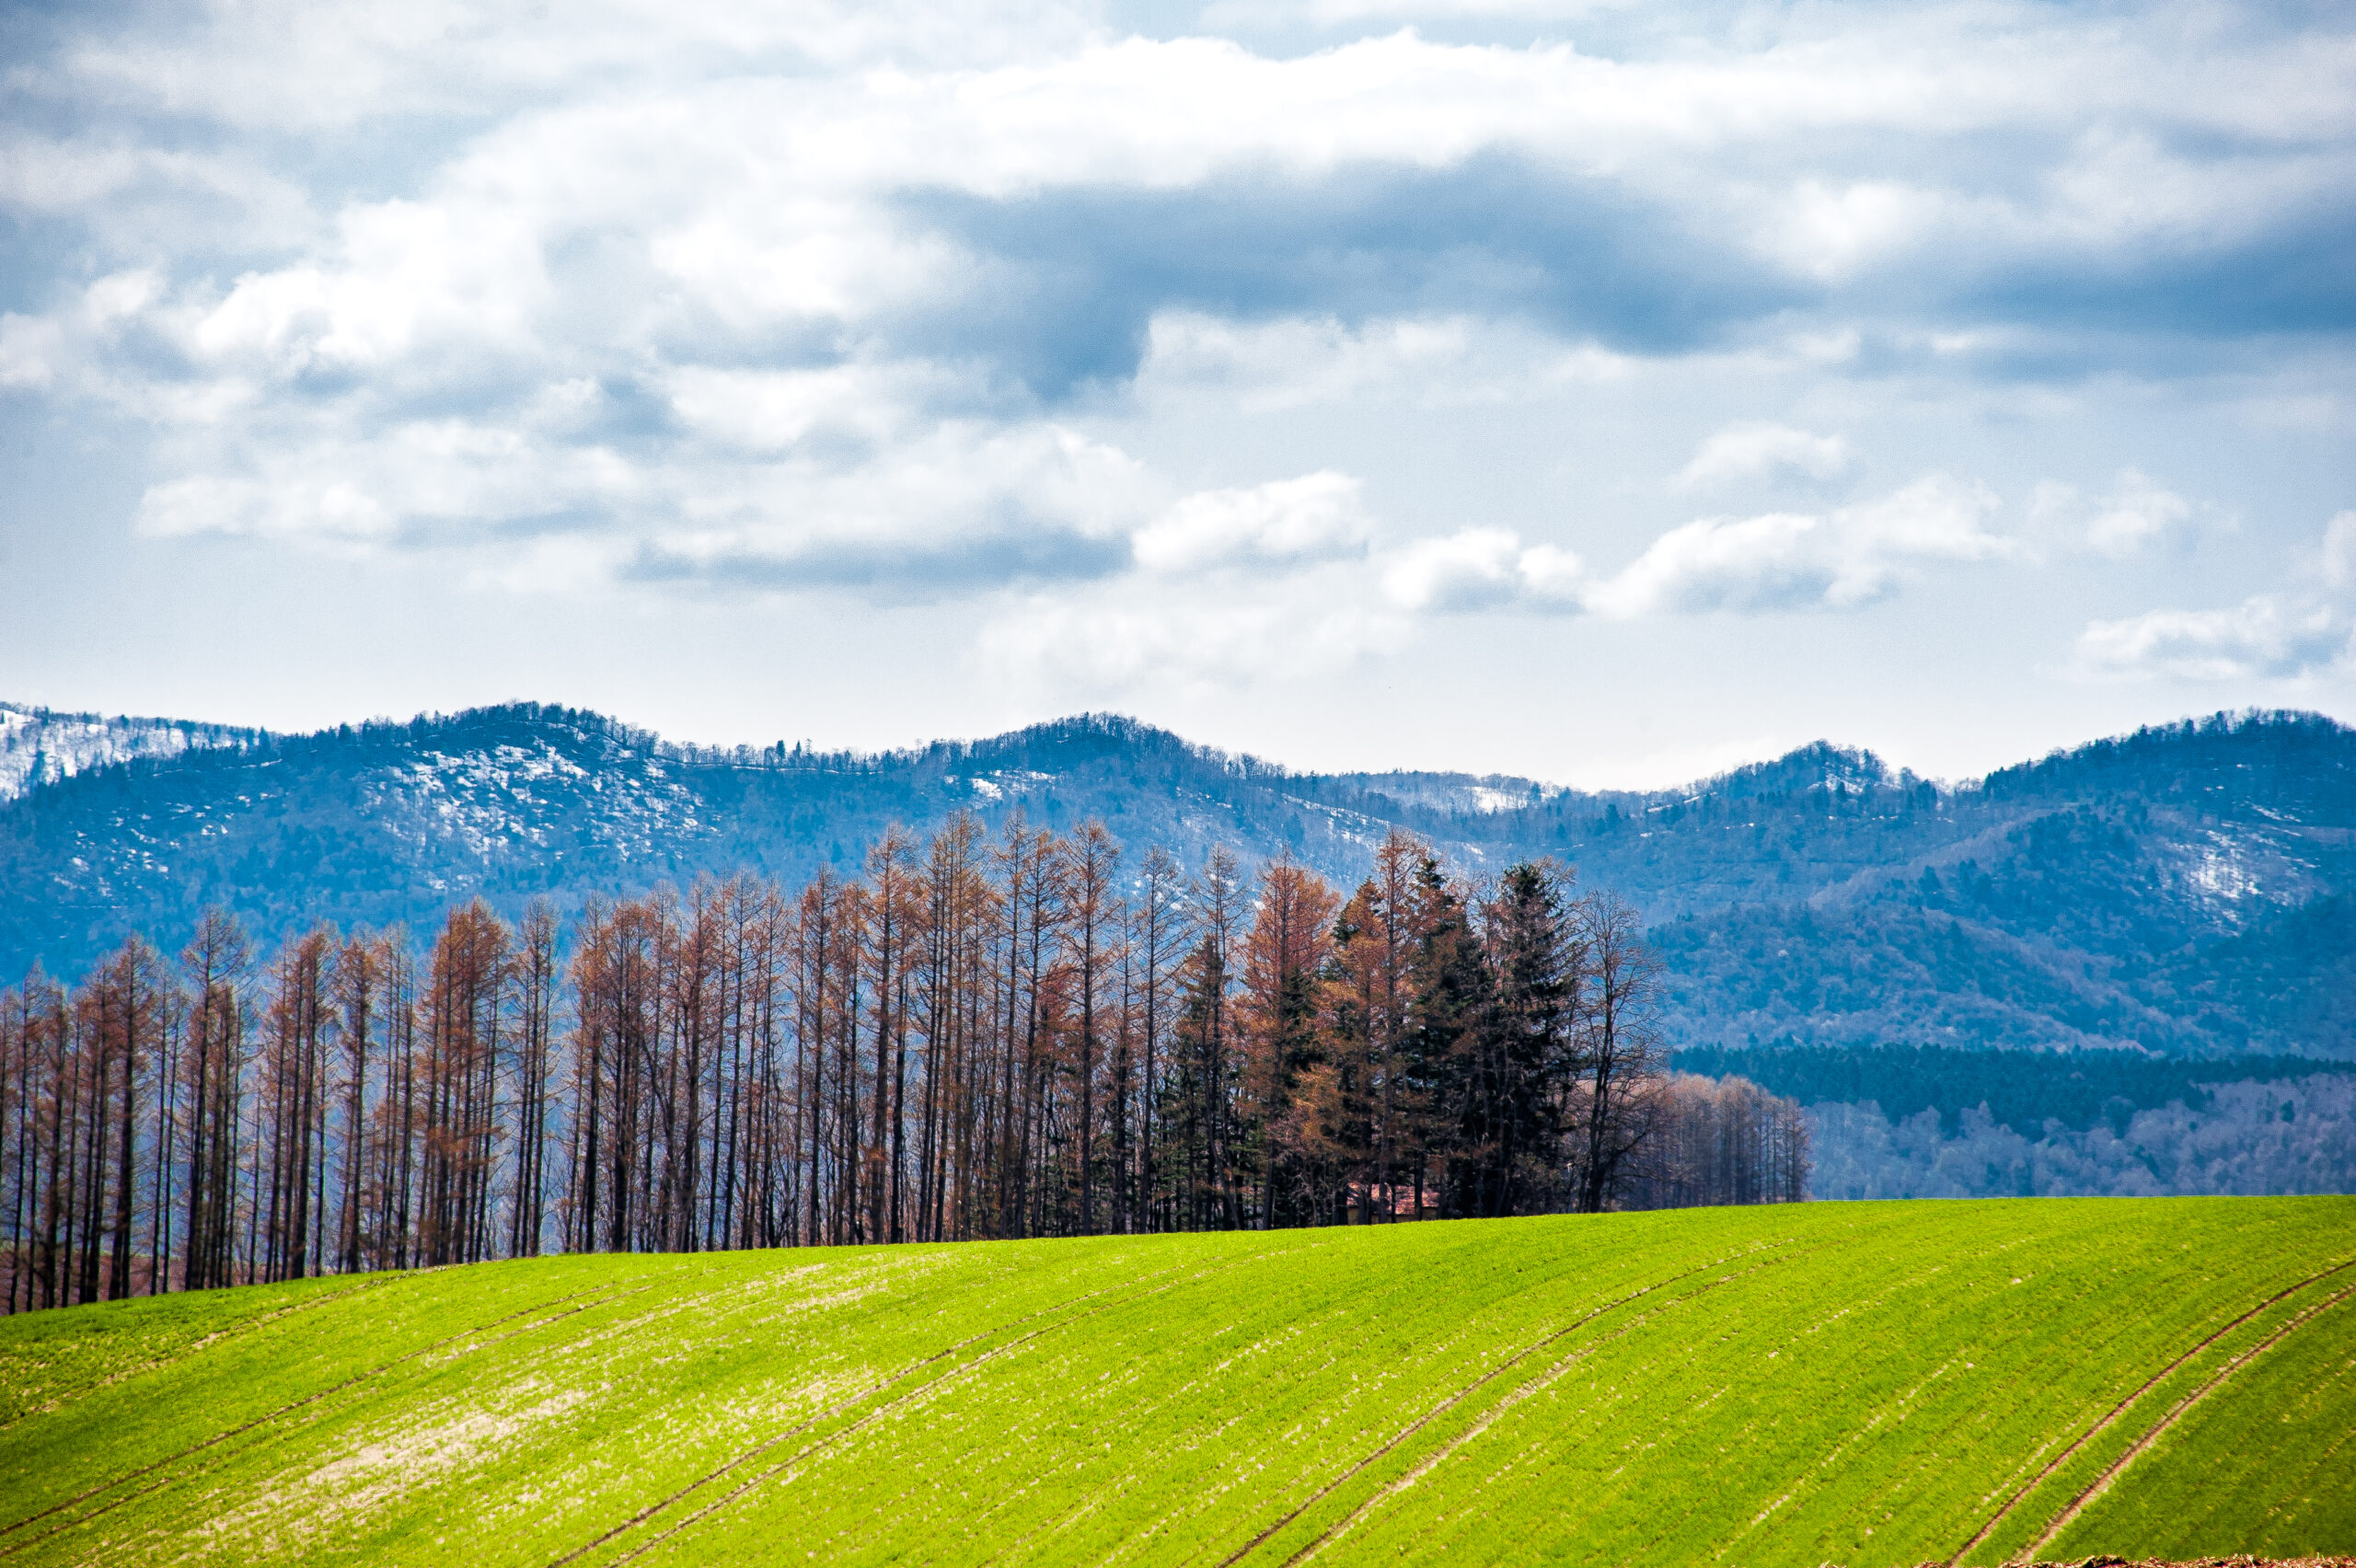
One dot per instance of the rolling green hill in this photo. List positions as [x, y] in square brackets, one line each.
[1869, 1384]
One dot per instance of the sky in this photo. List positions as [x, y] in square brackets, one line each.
[1606, 393]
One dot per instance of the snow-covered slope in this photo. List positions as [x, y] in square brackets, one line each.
[40, 746]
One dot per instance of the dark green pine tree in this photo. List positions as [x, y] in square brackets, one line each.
[1519, 1058]
[1449, 994]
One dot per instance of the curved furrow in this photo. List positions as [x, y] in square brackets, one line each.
[605, 1295]
[2159, 1429]
[2110, 1418]
[1365, 1505]
[786, 1466]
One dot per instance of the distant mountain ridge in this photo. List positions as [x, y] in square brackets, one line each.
[2189, 890]
[39, 746]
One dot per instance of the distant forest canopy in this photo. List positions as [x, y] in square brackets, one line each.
[1932, 1121]
[2187, 891]
[2283, 1136]
[2019, 1090]
[1019, 1033]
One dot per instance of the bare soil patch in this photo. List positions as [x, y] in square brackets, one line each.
[2236, 1561]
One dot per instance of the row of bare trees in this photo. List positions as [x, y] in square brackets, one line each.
[1018, 1035]
[1716, 1141]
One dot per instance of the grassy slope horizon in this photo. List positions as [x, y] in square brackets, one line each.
[1867, 1384]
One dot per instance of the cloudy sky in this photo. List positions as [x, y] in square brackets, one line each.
[1604, 393]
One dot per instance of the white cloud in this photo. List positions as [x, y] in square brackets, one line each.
[1777, 561]
[65, 348]
[960, 508]
[1333, 13]
[1831, 230]
[1760, 450]
[408, 283]
[1793, 561]
[776, 410]
[1194, 361]
[724, 293]
[286, 64]
[452, 482]
[2266, 634]
[1122, 640]
[1315, 515]
[32, 351]
[1478, 569]
[1320, 590]
[2133, 515]
[952, 508]
[2338, 556]
[1950, 68]
[129, 194]
[2138, 511]
[712, 159]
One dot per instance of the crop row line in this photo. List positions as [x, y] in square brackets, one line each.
[1502, 1367]
[257, 1321]
[2159, 1429]
[1513, 1397]
[1996, 1519]
[911, 1370]
[219, 1437]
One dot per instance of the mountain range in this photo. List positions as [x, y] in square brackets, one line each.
[2187, 891]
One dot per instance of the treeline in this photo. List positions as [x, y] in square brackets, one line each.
[2021, 1090]
[982, 1036]
[1721, 1142]
[2286, 1136]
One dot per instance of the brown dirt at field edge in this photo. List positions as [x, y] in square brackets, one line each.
[2236, 1561]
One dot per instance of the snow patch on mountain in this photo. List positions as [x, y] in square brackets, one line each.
[37, 746]
[500, 802]
[1464, 794]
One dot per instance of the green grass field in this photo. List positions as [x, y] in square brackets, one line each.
[1866, 1384]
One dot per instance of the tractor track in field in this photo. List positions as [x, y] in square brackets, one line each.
[1514, 1397]
[243, 1427]
[1450, 1403]
[259, 1320]
[2160, 1428]
[1997, 1519]
[765, 1444]
[831, 1439]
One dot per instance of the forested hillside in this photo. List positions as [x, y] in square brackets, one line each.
[37, 746]
[2190, 891]
[2186, 892]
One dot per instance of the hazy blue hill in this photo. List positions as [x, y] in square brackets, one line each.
[387, 822]
[2188, 890]
[2288, 980]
